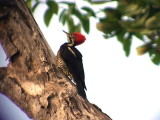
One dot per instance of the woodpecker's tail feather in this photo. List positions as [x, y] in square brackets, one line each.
[81, 90]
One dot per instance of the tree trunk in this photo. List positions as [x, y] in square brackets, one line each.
[31, 79]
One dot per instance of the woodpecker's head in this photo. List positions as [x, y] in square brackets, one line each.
[75, 38]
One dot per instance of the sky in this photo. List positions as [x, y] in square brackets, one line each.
[124, 88]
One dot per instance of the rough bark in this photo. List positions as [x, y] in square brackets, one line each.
[31, 79]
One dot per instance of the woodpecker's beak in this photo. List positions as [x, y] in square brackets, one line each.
[69, 35]
[66, 33]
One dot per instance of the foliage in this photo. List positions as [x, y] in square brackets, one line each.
[139, 18]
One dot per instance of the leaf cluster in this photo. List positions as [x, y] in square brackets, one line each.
[70, 14]
[139, 18]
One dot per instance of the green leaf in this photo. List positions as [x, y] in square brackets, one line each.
[53, 5]
[67, 3]
[89, 11]
[131, 27]
[29, 4]
[143, 48]
[78, 28]
[52, 9]
[47, 16]
[139, 36]
[146, 31]
[154, 55]
[112, 14]
[126, 39]
[97, 2]
[77, 14]
[84, 19]
[85, 23]
[35, 6]
[153, 22]
[132, 9]
[156, 59]
[64, 16]
[71, 25]
[127, 44]
[120, 35]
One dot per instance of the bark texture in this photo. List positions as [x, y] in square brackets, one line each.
[32, 79]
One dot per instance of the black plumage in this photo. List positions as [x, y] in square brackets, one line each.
[72, 59]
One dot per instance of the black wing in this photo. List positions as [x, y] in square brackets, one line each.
[73, 59]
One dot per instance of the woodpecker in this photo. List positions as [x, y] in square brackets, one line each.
[69, 60]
